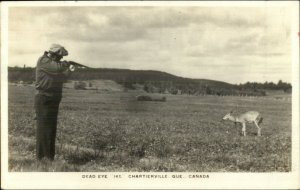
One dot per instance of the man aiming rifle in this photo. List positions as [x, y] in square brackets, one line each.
[51, 73]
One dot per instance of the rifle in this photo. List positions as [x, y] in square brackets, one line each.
[78, 64]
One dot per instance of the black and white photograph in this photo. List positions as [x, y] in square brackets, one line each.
[150, 95]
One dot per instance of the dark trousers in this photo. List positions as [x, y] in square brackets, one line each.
[46, 115]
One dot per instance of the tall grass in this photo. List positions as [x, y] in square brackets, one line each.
[109, 131]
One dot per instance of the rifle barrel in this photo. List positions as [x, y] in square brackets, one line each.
[78, 64]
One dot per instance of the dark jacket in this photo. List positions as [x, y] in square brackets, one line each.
[50, 76]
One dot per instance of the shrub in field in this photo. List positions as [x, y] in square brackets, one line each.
[79, 85]
[149, 98]
[143, 98]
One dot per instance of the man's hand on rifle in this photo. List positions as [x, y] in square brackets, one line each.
[67, 64]
[72, 68]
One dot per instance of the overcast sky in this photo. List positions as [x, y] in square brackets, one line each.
[229, 44]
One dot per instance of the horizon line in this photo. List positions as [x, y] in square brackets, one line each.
[275, 82]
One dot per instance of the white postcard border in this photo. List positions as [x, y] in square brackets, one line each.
[73, 180]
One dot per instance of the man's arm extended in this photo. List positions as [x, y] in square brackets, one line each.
[54, 67]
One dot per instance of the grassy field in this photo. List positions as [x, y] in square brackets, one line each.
[110, 131]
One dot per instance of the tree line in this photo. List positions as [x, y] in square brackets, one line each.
[159, 82]
[286, 87]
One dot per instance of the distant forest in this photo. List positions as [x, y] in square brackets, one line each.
[159, 82]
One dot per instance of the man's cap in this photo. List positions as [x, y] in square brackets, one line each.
[58, 50]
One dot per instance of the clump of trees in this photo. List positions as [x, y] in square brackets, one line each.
[286, 87]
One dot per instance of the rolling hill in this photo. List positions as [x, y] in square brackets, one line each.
[150, 80]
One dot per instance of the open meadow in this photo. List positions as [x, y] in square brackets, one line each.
[109, 131]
